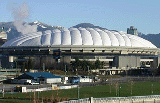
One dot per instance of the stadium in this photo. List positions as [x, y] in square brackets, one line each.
[118, 50]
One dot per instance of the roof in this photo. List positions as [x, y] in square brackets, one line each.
[80, 36]
[42, 74]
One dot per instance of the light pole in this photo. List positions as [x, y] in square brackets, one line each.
[65, 70]
[119, 90]
[152, 88]
[3, 91]
[38, 92]
[78, 91]
[88, 70]
[88, 73]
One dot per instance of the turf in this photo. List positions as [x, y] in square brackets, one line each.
[138, 89]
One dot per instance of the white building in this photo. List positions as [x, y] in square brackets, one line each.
[118, 50]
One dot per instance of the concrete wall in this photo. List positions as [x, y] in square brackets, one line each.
[66, 59]
[155, 64]
[128, 61]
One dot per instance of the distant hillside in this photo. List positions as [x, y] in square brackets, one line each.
[87, 25]
[153, 38]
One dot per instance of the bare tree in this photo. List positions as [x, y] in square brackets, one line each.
[131, 86]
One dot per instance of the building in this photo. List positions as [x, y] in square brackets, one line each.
[3, 36]
[132, 30]
[39, 77]
[118, 50]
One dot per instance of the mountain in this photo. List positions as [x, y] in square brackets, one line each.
[153, 38]
[12, 32]
[43, 27]
[87, 25]
[10, 29]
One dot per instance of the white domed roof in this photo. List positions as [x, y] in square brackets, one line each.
[80, 36]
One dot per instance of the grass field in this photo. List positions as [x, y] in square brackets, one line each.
[15, 101]
[138, 89]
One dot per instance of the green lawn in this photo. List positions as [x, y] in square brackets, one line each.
[15, 101]
[138, 89]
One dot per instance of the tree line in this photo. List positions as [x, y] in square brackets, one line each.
[85, 65]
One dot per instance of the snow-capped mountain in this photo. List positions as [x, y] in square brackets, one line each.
[12, 32]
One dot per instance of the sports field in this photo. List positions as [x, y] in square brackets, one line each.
[114, 90]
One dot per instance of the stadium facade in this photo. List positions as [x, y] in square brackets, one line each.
[118, 50]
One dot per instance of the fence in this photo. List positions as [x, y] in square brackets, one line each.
[134, 79]
[121, 80]
[133, 99]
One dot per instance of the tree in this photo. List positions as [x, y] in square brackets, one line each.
[85, 64]
[98, 64]
[76, 64]
[29, 64]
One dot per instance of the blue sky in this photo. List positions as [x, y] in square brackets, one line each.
[111, 14]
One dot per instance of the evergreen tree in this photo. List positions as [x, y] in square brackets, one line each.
[98, 64]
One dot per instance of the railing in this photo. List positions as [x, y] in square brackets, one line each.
[133, 99]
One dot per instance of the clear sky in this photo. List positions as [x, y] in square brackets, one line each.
[111, 14]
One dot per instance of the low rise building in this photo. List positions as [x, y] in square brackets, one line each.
[39, 77]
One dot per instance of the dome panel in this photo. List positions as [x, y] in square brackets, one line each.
[120, 38]
[126, 39]
[140, 42]
[95, 36]
[55, 37]
[24, 38]
[34, 41]
[113, 38]
[86, 37]
[105, 38]
[46, 37]
[65, 37]
[75, 36]
[136, 43]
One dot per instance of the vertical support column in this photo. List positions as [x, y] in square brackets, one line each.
[11, 62]
[91, 100]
